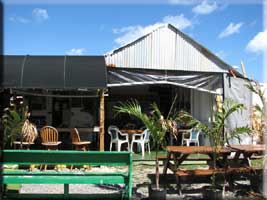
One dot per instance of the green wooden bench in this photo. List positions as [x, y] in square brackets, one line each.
[92, 158]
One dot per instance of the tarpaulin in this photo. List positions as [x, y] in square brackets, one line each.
[206, 82]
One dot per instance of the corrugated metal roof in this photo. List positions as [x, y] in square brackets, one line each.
[166, 48]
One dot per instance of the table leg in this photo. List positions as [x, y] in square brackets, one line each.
[242, 161]
[166, 163]
[178, 185]
[178, 159]
[246, 158]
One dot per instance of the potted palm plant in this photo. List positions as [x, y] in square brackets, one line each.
[13, 120]
[158, 126]
[215, 133]
[17, 126]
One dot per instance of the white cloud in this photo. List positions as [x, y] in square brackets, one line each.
[76, 52]
[19, 19]
[40, 14]
[221, 54]
[230, 29]
[182, 2]
[179, 21]
[258, 43]
[205, 8]
[131, 33]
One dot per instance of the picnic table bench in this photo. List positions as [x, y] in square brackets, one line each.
[44, 157]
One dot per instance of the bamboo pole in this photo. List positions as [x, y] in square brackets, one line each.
[102, 121]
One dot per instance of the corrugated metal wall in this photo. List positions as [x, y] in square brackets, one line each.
[164, 49]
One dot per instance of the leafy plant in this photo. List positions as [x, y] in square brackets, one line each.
[218, 128]
[155, 122]
[13, 121]
[256, 88]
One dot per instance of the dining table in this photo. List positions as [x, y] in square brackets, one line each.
[246, 152]
[225, 163]
[130, 133]
[242, 155]
[179, 154]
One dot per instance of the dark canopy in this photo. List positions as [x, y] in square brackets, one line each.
[54, 72]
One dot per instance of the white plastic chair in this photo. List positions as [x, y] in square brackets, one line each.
[193, 138]
[117, 137]
[142, 139]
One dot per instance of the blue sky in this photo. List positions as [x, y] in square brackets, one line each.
[232, 31]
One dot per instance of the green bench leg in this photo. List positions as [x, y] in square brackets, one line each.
[66, 190]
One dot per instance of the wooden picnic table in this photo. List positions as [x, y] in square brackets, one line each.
[245, 152]
[251, 148]
[181, 153]
[178, 154]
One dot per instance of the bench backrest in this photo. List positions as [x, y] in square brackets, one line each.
[27, 157]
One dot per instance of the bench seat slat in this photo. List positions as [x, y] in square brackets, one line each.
[163, 158]
[62, 196]
[80, 163]
[50, 179]
[71, 173]
[209, 172]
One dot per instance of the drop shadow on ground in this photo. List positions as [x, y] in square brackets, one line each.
[192, 188]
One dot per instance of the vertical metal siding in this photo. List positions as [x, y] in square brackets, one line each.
[162, 49]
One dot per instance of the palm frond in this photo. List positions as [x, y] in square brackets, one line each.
[230, 106]
[13, 121]
[172, 107]
[237, 132]
[258, 108]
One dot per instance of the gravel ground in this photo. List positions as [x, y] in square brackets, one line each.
[141, 181]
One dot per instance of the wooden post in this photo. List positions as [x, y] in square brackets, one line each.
[102, 122]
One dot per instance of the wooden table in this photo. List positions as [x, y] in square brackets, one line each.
[245, 152]
[186, 131]
[180, 154]
[130, 133]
